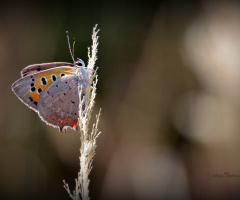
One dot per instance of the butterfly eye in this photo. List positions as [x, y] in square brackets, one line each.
[80, 63]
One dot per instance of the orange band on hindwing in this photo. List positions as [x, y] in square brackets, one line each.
[43, 80]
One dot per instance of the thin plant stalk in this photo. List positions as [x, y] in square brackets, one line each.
[88, 137]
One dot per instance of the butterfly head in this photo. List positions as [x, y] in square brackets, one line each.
[79, 63]
[82, 71]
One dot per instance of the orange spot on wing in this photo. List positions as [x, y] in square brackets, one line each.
[75, 125]
[34, 96]
[62, 122]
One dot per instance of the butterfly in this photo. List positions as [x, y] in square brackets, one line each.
[52, 90]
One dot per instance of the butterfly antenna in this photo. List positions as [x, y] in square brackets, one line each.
[73, 46]
[69, 46]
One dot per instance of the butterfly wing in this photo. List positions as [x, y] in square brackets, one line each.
[35, 68]
[21, 89]
[59, 104]
[29, 88]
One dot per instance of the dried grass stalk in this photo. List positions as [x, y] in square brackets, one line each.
[87, 137]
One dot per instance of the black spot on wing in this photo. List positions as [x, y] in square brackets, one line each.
[33, 89]
[54, 77]
[39, 90]
[44, 81]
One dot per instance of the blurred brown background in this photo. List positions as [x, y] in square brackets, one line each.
[169, 89]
